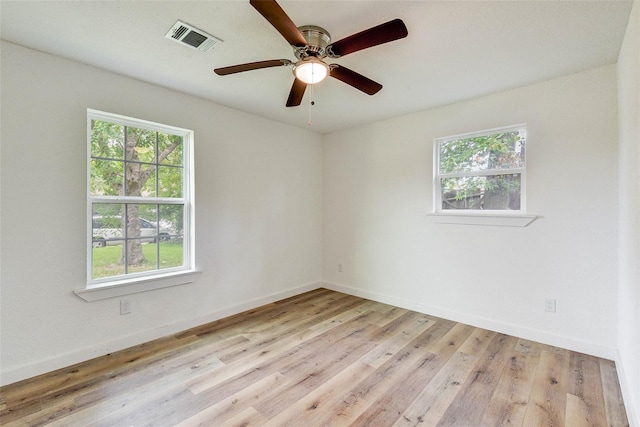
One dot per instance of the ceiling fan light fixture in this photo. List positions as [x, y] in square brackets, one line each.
[311, 70]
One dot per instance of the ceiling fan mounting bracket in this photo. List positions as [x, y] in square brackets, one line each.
[317, 41]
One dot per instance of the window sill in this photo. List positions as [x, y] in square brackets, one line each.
[132, 286]
[490, 219]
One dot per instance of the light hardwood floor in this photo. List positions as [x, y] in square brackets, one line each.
[326, 359]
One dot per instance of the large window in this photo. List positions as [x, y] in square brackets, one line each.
[139, 198]
[481, 172]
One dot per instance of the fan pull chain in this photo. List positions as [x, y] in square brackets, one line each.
[311, 104]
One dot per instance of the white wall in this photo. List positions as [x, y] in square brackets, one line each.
[258, 213]
[270, 208]
[378, 190]
[629, 216]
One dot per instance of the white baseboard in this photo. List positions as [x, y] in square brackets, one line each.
[81, 355]
[544, 337]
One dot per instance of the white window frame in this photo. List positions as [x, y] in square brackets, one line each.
[137, 282]
[507, 217]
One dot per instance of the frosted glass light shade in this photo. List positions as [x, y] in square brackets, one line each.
[311, 70]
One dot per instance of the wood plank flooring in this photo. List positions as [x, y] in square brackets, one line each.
[326, 359]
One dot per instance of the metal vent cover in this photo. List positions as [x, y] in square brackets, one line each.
[191, 36]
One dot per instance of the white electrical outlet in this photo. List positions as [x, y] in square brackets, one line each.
[550, 305]
[125, 306]
[339, 268]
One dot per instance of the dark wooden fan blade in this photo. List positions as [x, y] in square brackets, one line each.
[354, 79]
[251, 66]
[277, 17]
[383, 33]
[296, 94]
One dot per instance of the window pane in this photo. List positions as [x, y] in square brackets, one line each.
[141, 233]
[106, 261]
[171, 253]
[149, 185]
[148, 212]
[107, 140]
[169, 181]
[141, 145]
[107, 223]
[141, 255]
[496, 151]
[170, 149]
[107, 209]
[107, 240]
[107, 177]
[139, 226]
[496, 192]
[171, 220]
[140, 180]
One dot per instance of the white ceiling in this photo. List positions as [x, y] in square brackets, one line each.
[455, 50]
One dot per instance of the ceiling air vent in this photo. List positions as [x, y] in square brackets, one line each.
[191, 36]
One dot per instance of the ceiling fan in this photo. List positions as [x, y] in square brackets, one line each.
[311, 44]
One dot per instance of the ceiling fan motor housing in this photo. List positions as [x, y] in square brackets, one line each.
[317, 40]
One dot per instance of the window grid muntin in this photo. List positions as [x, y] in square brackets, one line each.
[125, 239]
[156, 163]
[156, 179]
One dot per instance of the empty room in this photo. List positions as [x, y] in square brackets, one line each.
[320, 213]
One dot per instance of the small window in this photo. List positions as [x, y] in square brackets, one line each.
[139, 199]
[481, 172]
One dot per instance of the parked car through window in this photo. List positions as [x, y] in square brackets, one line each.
[109, 231]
